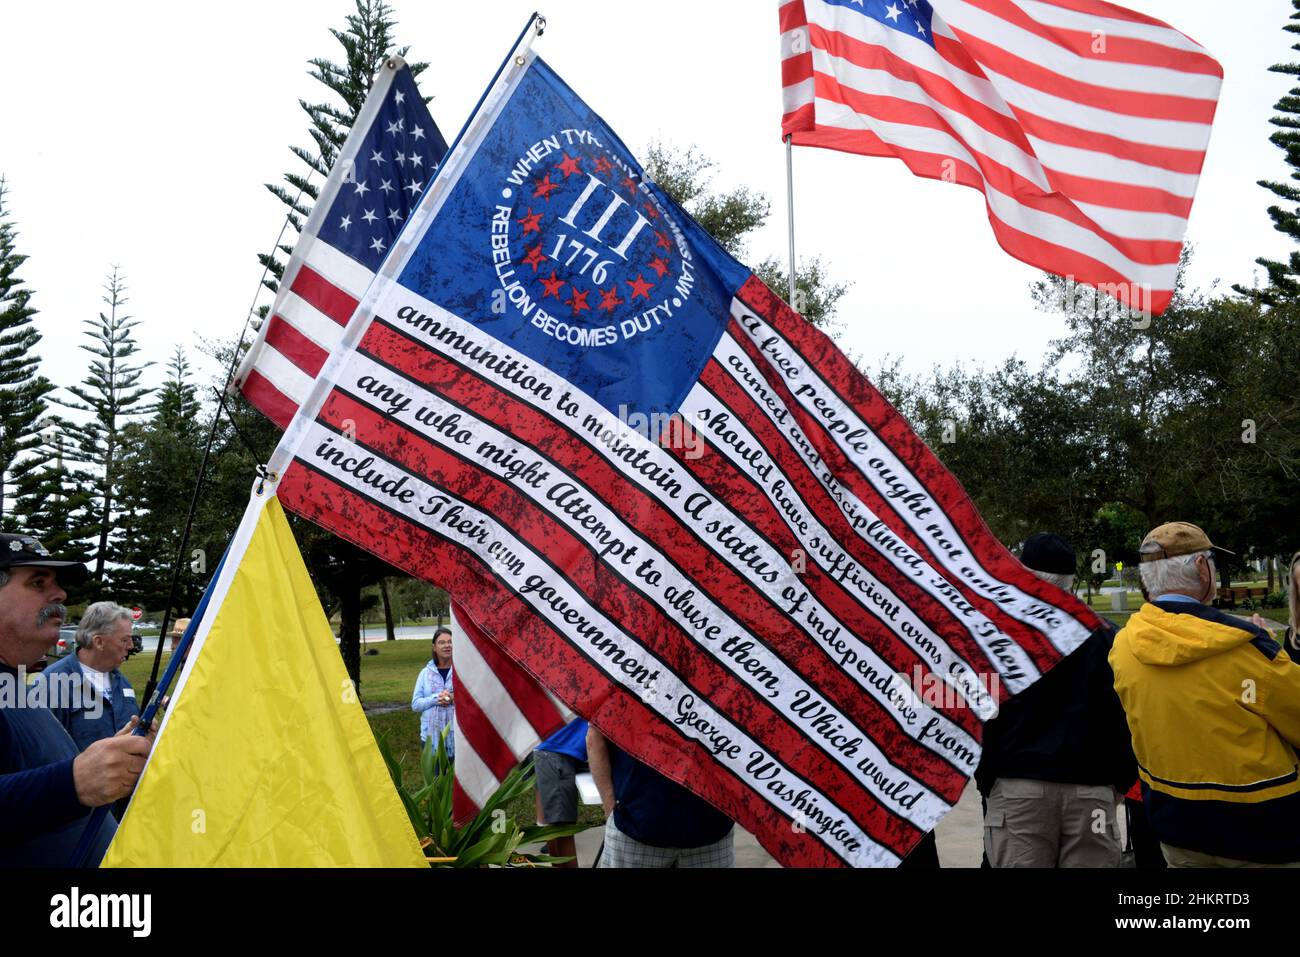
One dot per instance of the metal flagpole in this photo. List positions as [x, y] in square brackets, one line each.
[789, 189]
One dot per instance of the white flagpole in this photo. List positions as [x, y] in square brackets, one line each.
[789, 188]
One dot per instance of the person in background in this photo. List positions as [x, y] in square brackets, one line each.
[177, 631]
[433, 699]
[47, 788]
[556, 762]
[1291, 636]
[108, 702]
[1213, 704]
[651, 821]
[1057, 753]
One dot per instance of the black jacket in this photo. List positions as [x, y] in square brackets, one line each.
[1068, 727]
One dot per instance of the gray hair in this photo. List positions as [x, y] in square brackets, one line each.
[1063, 582]
[97, 619]
[1177, 574]
[4, 578]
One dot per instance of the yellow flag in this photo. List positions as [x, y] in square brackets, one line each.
[265, 758]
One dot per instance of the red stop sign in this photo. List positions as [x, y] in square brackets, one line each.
[137, 614]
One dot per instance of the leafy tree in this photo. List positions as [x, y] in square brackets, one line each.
[730, 218]
[52, 504]
[111, 397]
[22, 390]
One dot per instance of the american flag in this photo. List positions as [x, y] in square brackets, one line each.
[658, 493]
[1084, 124]
[387, 160]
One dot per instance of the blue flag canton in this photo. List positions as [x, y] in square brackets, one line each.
[395, 162]
[910, 17]
[555, 242]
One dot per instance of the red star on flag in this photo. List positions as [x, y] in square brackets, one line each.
[532, 223]
[659, 265]
[609, 298]
[651, 211]
[579, 301]
[629, 184]
[552, 285]
[639, 288]
[603, 165]
[535, 257]
[545, 188]
[662, 240]
[569, 166]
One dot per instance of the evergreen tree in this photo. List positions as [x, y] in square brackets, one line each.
[110, 397]
[339, 569]
[52, 504]
[160, 460]
[1283, 281]
[367, 42]
[22, 391]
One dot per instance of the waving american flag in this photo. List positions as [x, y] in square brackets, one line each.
[1084, 124]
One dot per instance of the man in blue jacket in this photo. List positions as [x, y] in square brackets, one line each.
[47, 789]
[106, 701]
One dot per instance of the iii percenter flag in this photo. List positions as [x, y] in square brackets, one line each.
[1084, 124]
[670, 499]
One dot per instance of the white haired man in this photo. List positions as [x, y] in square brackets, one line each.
[1213, 703]
[47, 788]
[107, 700]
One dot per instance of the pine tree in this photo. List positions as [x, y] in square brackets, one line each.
[1283, 276]
[111, 397]
[22, 391]
[160, 459]
[366, 43]
[52, 505]
[338, 568]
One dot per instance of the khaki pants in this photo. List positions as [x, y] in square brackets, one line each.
[1180, 857]
[1043, 824]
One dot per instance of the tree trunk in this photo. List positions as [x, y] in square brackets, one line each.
[388, 609]
[1270, 561]
[350, 627]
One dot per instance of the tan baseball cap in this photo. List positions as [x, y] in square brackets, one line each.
[1174, 539]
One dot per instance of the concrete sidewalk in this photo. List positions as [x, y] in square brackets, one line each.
[961, 839]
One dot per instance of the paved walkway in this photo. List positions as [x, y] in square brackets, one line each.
[961, 839]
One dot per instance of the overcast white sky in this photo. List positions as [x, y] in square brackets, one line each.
[140, 135]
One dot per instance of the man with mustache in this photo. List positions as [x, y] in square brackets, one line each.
[47, 788]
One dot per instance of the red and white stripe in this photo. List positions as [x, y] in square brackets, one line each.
[501, 714]
[316, 299]
[1084, 124]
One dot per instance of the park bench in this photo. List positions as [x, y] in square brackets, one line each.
[1236, 594]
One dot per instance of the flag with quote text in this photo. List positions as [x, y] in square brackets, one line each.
[666, 498]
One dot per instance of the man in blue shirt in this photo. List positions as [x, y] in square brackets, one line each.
[47, 789]
[555, 765]
[106, 702]
[651, 821]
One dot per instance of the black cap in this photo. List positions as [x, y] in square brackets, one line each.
[1049, 553]
[19, 551]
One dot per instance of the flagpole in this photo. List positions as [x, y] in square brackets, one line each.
[789, 191]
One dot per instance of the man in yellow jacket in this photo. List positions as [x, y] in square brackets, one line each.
[1213, 703]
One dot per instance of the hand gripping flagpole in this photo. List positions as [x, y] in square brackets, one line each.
[151, 709]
